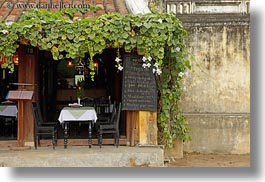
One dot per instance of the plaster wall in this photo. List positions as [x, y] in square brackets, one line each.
[216, 100]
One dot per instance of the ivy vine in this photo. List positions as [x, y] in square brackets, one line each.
[161, 35]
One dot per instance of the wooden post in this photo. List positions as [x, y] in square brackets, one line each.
[27, 73]
[142, 127]
[147, 128]
[130, 120]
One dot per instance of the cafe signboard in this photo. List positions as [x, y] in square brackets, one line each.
[139, 90]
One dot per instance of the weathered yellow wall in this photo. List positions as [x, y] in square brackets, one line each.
[220, 85]
[221, 80]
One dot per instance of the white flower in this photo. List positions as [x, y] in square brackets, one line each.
[144, 65]
[181, 74]
[160, 20]
[117, 59]
[158, 71]
[4, 31]
[177, 49]
[144, 59]
[120, 68]
[156, 65]
[148, 65]
[28, 26]
[149, 58]
[69, 21]
[8, 23]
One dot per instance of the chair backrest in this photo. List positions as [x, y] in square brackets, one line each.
[102, 109]
[87, 102]
[113, 113]
[101, 100]
[36, 115]
[117, 116]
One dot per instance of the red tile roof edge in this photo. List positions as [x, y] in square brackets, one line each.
[11, 10]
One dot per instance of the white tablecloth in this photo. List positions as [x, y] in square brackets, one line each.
[78, 114]
[8, 110]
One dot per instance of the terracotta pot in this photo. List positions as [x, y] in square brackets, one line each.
[176, 152]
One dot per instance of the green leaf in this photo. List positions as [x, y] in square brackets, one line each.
[70, 36]
[147, 25]
[64, 37]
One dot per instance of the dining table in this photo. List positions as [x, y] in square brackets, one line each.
[9, 114]
[8, 110]
[77, 114]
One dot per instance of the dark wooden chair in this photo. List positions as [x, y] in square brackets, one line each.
[87, 101]
[103, 111]
[41, 122]
[40, 129]
[111, 127]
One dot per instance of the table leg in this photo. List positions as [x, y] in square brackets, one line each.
[89, 134]
[65, 134]
[12, 128]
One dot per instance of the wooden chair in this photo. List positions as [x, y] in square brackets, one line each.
[87, 101]
[42, 129]
[41, 122]
[112, 127]
[103, 111]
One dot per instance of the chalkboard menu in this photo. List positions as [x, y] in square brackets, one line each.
[139, 90]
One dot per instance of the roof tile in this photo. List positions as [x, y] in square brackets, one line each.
[11, 10]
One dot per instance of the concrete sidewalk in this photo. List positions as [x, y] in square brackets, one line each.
[211, 160]
[83, 156]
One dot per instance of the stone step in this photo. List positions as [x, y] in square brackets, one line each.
[83, 156]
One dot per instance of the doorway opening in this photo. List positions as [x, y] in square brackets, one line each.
[57, 87]
[8, 109]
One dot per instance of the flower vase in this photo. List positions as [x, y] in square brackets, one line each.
[78, 100]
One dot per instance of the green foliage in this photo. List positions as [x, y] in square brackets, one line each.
[9, 65]
[172, 123]
[162, 36]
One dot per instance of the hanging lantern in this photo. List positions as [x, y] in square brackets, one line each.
[15, 58]
[70, 63]
[3, 59]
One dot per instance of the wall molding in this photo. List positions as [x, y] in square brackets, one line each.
[207, 6]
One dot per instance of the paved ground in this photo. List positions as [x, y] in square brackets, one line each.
[137, 155]
[83, 156]
[211, 160]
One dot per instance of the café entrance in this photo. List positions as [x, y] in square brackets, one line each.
[54, 84]
[58, 87]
